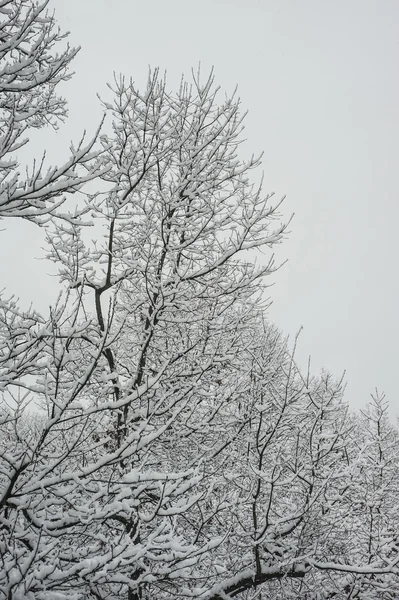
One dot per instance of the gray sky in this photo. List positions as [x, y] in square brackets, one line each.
[320, 81]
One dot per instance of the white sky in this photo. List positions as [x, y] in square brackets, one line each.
[320, 81]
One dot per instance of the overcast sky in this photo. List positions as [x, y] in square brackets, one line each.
[320, 81]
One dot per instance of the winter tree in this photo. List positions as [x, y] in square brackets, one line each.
[98, 489]
[364, 525]
[158, 439]
[33, 62]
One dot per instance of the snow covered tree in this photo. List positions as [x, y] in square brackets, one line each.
[283, 465]
[157, 438]
[33, 62]
[355, 531]
[369, 513]
[94, 494]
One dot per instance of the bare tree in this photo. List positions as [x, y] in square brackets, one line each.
[280, 467]
[362, 526]
[123, 387]
[34, 60]
[175, 448]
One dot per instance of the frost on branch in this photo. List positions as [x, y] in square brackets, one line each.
[34, 59]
